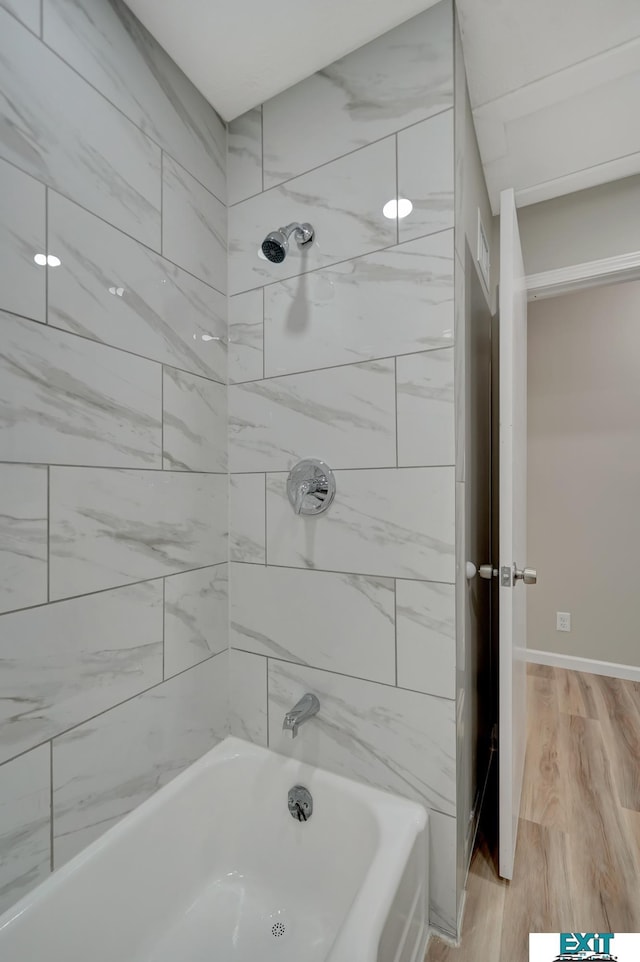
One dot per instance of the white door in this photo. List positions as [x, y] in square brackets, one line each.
[512, 575]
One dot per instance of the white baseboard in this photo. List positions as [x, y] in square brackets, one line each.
[589, 665]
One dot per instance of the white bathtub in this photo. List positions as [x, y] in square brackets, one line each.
[213, 867]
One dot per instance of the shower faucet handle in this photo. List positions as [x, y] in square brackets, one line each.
[311, 487]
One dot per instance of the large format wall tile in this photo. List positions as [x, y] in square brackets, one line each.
[67, 400]
[425, 176]
[247, 518]
[246, 336]
[397, 80]
[22, 236]
[442, 873]
[341, 622]
[345, 416]
[426, 632]
[25, 824]
[56, 127]
[386, 522]
[28, 11]
[244, 167]
[113, 527]
[248, 702]
[426, 416]
[195, 617]
[23, 536]
[68, 661]
[194, 422]
[392, 302]
[399, 740]
[194, 226]
[108, 766]
[109, 46]
[343, 201]
[114, 290]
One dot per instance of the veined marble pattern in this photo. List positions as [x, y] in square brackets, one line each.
[244, 168]
[68, 400]
[65, 662]
[247, 518]
[109, 46]
[398, 740]
[426, 632]
[342, 200]
[426, 416]
[399, 79]
[113, 527]
[339, 622]
[104, 163]
[22, 235]
[346, 415]
[114, 290]
[28, 11]
[195, 422]
[194, 226]
[195, 617]
[246, 329]
[392, 302]
[443, 911]
[248, 697]
[426, 175]
[25, 824]
[394, 523]
[106, 767]
[23, 536]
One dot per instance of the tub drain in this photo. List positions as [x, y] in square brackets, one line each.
[277, 929]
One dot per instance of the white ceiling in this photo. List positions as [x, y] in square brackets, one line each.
[554, 84]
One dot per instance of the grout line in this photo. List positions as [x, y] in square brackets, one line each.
[345, 260]
[116, 467]
[15, 17]
[161, 202]
[114, 347]
[101, 591]
[115, 227]
[330, 671]
[395, 623]
[261, 150]
[267, 705]
[397, 194]
[449, 346]
[264, 343]
[48, 534]
[42, 20]
[51, 836]
[125, 701]
[164, 584]
[388, 467]
[265, 519]
[162, 417]
[354, 574]
[46, 252]
[332, 160]
[395, 376]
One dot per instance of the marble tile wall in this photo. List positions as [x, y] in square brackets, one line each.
[345, 352]
[113, 447]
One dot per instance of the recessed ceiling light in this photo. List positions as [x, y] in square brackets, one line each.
[397, 208]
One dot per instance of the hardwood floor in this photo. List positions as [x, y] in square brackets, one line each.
[577, 865]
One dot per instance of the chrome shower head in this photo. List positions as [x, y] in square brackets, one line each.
[275, 246]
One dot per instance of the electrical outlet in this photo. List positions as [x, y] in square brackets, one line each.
[563, 621]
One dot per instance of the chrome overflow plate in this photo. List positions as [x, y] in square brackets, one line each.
[300, 803]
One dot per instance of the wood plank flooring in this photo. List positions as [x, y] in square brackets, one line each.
[577, 865]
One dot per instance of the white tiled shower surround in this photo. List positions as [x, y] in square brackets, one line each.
[114, 426]
[113, 517]
[345, 352]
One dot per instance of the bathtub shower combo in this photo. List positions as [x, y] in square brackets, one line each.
[247, 855]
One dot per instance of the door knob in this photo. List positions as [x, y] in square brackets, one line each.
[528, 575]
